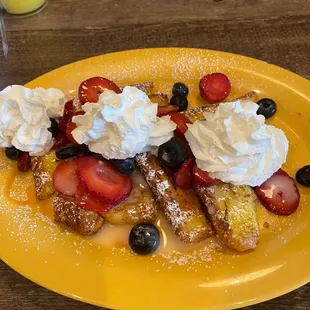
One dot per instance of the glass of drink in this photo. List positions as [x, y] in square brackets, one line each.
[21, 7]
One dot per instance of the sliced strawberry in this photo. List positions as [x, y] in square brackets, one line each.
[85, 201]
[183, 178]
[90, 89]
[67, 115]
[64, 179]
[203, 178]
[279, 194]
[23, 163]
[166, 109]
[101, 181]
[181, 120]
[70, 127]
[214, 87]
[79, 113]
[60, 140]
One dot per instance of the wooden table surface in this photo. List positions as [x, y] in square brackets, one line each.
[275, 31]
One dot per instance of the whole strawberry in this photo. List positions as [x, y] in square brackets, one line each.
[214, 87]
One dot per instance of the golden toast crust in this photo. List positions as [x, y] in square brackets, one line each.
[159, 98]
[132, 214]
[195, 114]
[182, 208]
[146, 87]
[67, 212]
[43, 176]
[232, 211]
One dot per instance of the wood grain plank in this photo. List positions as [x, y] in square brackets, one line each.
[278, 41]
[18, 293]
[94, 14]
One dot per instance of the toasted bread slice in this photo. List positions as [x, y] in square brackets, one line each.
[43, 168]
[146, 87]
[182, 208]
[232, 211]
[195, 114]
[140, 207]
[67, 212]
[159, 98]
[130, 213]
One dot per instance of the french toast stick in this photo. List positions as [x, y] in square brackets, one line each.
[232, 211]
[159, 98]
[132, 213]
[139, 207]
[146, 87]
[43, 168]
[195, 114]
[67, 212]
[182, 208]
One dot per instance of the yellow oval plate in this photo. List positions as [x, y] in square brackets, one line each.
[207, 278]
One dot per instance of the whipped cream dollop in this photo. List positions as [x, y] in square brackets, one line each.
[25, 117]
[235, 145]
[122, 125]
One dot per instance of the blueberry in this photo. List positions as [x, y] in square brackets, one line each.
[54, 127]
[85, 151]
[180, 89]
[173, 153]
[267, 107]
[179, 101]
[125, 166]
[67, 151]
[303, 176]
[144, 239]
[12, 152]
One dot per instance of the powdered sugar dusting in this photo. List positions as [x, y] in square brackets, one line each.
[190, 65]
[162, 186]
[22, 183]
[27, 229]
[179, 209]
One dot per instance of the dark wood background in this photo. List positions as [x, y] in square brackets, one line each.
[277, 31]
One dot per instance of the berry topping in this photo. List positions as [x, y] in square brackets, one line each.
[166, 109]
[279, 194]
[214, 87]
[183, 178]
[173, 153]
[65, 152]
[12, 153]
[90, 89]
[54, 127]
[303, 176]
[181, 120]
[60, 140]
[180, 102]
[180, 89]
[101, 181]
[23, 162]
[65, 179]
[144, 239]
[70, 127]
[125, 166]
[85, 151]
[203, 178]
[67, 116]
[86, 202]
[267, 107]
